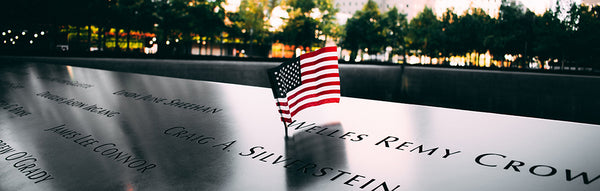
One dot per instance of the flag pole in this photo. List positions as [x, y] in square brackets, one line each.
[286, 129]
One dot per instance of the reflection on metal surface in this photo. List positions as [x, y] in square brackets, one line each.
[174, 134]
[70, 70]
[316, 156]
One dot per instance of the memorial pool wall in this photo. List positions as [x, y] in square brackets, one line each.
[567, 97]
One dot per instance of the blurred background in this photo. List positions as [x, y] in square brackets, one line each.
[537, 58]
[535, 34]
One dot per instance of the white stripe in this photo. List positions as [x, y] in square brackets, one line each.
[321, 81]
[284, 108]
[281, 99]
[322, 72]
[326, 96]
[303, 94]
[286, 115]
[325, 63]
[318, 56]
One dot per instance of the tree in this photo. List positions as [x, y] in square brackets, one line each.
[178, 19]
[425, 33]
[252, 22]
[474, 27]
[364, 31]
[513, 32]
[395, 27]
[300, 29]
[550, 35]
[451, 35]
[583, 25]
[327, 27]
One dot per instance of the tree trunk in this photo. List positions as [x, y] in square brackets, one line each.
[89, 37]
[353, 54]
[211, 47]
[128, 39]
[117, 48]
[103, 38]
[77, 41]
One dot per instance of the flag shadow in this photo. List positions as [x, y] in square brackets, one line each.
[315, 157]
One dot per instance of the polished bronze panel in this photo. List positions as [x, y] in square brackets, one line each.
[70, 128]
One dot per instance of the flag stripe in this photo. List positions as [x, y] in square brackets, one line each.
[319, 92]
[308, 64]
[313, 89]
[336, 91]
[287, 120]
[322, 68]
[315, 103]
[318, 52]
[293, 110]
[319, 77]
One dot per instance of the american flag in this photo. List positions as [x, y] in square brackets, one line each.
[309, 80]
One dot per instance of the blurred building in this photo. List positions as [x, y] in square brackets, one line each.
[491, 7]
[411, 8]
[347, 8]
[591, 2]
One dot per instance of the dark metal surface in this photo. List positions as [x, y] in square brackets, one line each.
[69, 128]
[566, 97]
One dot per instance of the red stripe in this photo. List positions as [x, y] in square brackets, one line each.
[315, 103]
[282, 103]
[289, 120]
[292, 96]
[330, 75]
[317, 52]
[326, 67]
[313, 96]
[329, 58]
[284, 111]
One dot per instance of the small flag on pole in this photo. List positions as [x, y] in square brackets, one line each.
[312, 79]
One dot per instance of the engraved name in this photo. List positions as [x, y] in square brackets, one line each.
[93, 108]
[178, 103]
[73, 83]
[14, 108]
[108, 150]
[24, 163]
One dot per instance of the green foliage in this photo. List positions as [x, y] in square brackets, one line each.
[300, 29]
[425, 33]
[251, 21]
[326, 23]
[302, 6]
[395, 28]
[364, 31]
